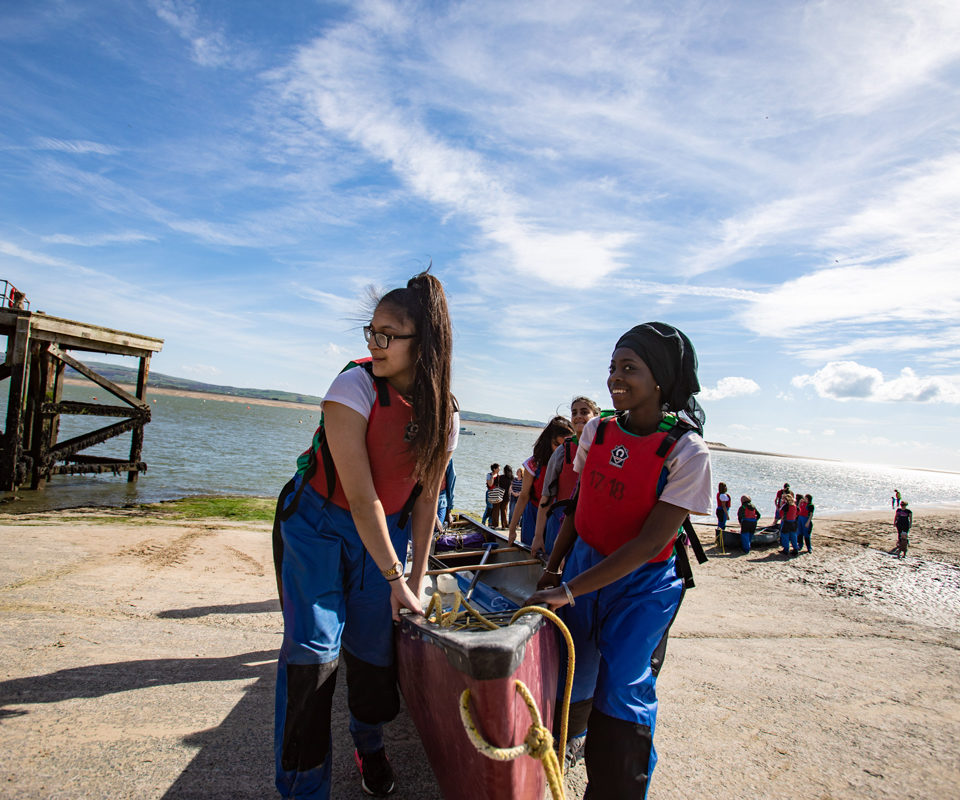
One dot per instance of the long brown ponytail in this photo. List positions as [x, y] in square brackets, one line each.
[424, 302]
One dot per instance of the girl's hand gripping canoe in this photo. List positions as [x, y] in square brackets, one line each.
[554, 598]
[403, 596]
[549, 580]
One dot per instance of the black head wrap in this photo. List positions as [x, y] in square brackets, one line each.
[673, 362]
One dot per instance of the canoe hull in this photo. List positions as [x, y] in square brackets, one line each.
[436, 664]
[762, 537]
[432, 687]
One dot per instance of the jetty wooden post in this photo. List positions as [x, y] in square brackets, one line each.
[136, 438]
[15, 366]
[36, 358]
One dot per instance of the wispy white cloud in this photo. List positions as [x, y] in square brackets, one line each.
[31, 256]
[78, 147]
[344, 79]
[848, 380]
[730, 387]
[99, 239]
[209, 47]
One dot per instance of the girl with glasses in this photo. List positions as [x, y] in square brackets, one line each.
[371, 476]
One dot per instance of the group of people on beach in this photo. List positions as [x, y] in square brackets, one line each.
[501, 496]
[793, 515]
[370, 482]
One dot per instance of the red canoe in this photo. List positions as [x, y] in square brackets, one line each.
[436, 664]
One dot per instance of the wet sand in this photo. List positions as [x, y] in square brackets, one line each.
[138, 661]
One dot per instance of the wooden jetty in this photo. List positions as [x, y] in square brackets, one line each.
[37, 356]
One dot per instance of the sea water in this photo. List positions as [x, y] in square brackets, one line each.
[208, 446]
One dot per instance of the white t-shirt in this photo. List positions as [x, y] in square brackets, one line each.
[355, 389]
[689, 481]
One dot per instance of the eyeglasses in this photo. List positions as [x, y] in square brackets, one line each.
[383, 340]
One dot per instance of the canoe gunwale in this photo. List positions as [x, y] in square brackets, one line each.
[480, 654]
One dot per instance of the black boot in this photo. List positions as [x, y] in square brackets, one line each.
[617, 758]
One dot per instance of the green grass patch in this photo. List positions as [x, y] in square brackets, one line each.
[244, 509]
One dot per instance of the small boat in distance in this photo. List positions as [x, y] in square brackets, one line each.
[466, 432]
[436, 664]
[762, 537]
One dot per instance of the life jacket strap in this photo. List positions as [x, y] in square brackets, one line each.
[383, 388]
[688, 536]
[408, 506]
[566, 506]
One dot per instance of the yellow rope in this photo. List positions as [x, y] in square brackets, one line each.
[447, 619]
[571, 663]
[538, 742]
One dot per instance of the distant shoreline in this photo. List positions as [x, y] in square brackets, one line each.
[231, 398]
[250, 401]
[722, 448]
[227, 398]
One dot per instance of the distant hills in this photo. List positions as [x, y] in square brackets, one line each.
[128, 375]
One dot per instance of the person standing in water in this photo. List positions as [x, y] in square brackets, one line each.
[641, 473]
[373, 471]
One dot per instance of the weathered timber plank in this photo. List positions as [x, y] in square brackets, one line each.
[80, 458]
[94, 410]
[81, 469]
[83, 336]
[71, 446]
[109, 385]
[18, 353]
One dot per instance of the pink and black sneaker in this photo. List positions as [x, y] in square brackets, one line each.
[376, 774]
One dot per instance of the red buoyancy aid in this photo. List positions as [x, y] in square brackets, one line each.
[539, 473]
[790, 512]
[802, 508]
[567, 479]
[619, 486]
[391, 459]
[750, 513]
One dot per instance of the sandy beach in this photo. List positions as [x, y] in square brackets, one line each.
[138, 662]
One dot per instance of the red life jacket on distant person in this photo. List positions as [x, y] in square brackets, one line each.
[750, 512]
[567, 479]
[620, 484]
[539, 473]
[392, 461]
[790, 512]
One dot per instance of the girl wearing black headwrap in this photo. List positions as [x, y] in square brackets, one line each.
[641, 474]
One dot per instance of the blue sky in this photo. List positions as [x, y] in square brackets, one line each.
[781, 180]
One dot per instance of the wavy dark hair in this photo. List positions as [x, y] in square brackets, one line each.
[424, 303]
[543, 448]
